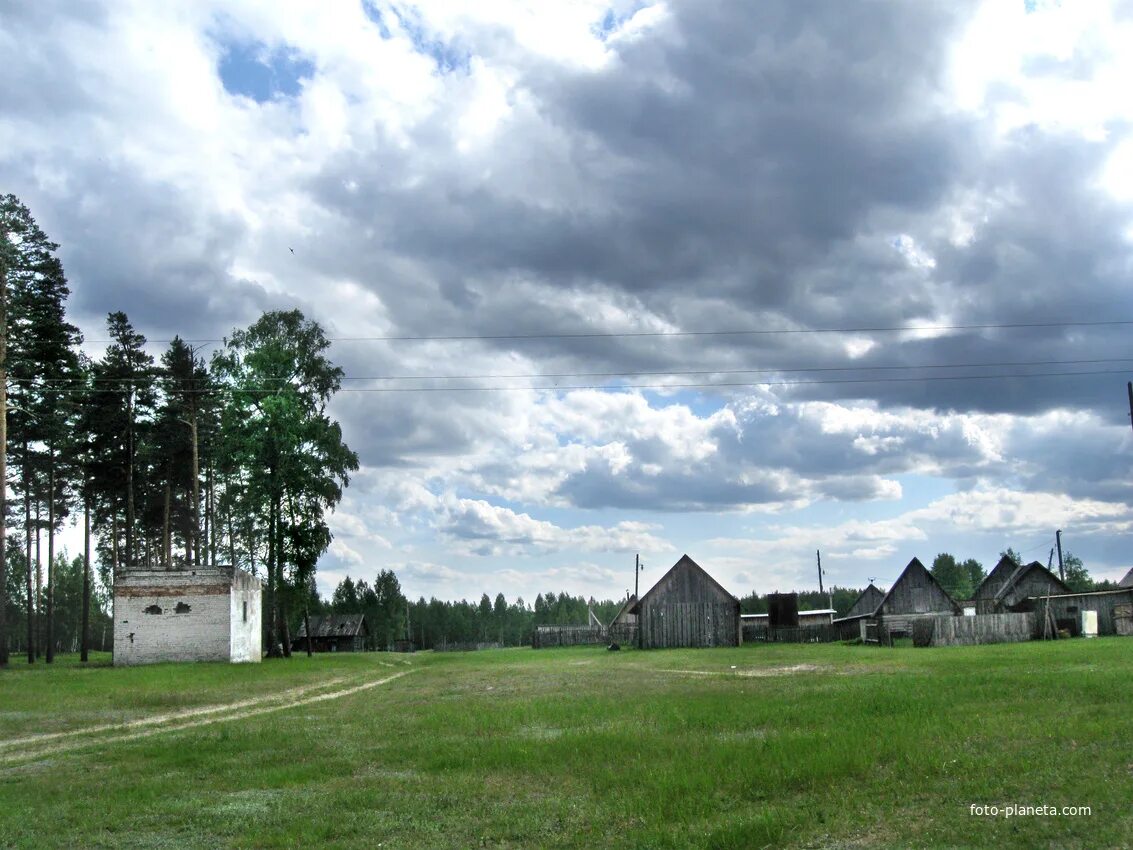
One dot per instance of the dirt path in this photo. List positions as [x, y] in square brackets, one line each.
[34, 747]
[171, 716]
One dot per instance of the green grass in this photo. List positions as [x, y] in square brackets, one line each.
[797, 746]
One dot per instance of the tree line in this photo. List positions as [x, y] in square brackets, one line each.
[171, 462]
[436, 623]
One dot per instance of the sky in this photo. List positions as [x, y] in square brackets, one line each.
[746, 281]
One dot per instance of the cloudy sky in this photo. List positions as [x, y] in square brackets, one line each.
[742, 280]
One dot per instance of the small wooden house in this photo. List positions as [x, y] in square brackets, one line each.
[915, 594]
[1127, 581]
[687, 608]
[333, 633]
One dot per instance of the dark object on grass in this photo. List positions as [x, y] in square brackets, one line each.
[613, 647]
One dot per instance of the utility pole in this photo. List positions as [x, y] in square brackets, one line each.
[1050, 558]
[1129, 386]
[1058, 543]
[818, 554]
[637, 596]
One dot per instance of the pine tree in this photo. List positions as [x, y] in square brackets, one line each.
[40, 361]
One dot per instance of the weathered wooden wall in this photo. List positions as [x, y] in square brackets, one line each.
[820, 633]
[866, 603]
[917, 592]
[1035, 582]
[692, 624]
[1070, 607]
[1123, 619]
[969, 631]
[984, 597]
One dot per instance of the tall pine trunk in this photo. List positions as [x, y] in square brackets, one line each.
[86, 578]
[50, 655]
[271, 601]
[231, 538]
[196, 483]
[4, 466]
[166, 535]
[38, 581]
[27, 557]
[130, 477]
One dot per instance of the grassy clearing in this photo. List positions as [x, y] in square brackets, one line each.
[780, 746]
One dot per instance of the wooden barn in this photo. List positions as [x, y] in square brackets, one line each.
[915, 594]
[333, 633]
[1127, 581]
[1009, 585]
[687, 608]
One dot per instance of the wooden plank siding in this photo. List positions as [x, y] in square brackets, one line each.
[1069, 607]
[866, 604]
[916, 594]
[970, 631]
[688, 608]
[985, 593]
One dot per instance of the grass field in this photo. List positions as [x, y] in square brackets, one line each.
[778, 746]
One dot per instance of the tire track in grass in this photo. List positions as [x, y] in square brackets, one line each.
[171, 716]
[194, 722]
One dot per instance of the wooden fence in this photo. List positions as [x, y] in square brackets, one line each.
[623, 634]
[826, 633]
[465, 646]
[969, 631]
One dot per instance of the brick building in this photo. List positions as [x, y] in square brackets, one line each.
[190, 614]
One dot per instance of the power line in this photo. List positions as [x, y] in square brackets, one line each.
[108, 382]
[700, 333]
[667, 386]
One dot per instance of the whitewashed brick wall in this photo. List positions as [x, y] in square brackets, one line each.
[194, 614]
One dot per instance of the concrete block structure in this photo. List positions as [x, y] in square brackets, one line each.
[203, 613]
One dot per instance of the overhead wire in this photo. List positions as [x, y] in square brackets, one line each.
[101, 382]
[693, 333]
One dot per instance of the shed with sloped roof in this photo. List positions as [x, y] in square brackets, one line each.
[687, 608]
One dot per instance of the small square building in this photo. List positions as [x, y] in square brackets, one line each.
[203, 613]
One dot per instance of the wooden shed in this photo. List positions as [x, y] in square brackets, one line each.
[865, 605]
[984, 596]
[1032, 579]
[1127, 581]
[1067, 608]
[687, 608]
[914, 595]
[333, 633]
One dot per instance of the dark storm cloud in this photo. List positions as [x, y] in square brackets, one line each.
[750, 166]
